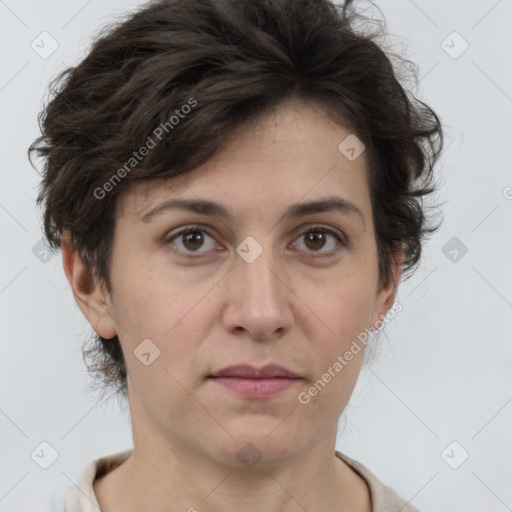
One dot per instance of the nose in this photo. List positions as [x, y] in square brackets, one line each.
[259, 299]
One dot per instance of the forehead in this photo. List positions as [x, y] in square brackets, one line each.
[292, 152]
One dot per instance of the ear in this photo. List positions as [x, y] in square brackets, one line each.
[90, 295]
[387, 293]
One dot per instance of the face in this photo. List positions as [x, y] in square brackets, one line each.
[255, 283]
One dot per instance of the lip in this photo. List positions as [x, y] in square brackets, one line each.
[253, 382]
[247, 371]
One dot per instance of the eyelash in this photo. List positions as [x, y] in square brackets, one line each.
[317, 229]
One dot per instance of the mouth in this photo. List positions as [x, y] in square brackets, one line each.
[252, 382]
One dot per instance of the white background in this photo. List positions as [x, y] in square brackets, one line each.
[444, 370]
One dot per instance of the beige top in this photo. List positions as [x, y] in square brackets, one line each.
[83, 498]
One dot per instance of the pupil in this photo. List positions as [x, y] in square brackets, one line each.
[190, 238]
[194, 239]
[315, 238]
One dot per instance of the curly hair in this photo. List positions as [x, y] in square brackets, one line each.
[222, 64]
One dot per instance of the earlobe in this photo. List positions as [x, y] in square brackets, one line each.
[89, 294]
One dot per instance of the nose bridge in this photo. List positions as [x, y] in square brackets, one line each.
[256, 270]
[259, 301]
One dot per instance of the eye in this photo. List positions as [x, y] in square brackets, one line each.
[316, 238]
[191, 239]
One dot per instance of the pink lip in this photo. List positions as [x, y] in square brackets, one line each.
[253, 382]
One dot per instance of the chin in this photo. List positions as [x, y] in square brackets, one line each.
[256, 448]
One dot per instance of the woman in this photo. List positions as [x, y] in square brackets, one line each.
[236, 189]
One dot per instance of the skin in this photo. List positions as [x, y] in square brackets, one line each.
[217, 310]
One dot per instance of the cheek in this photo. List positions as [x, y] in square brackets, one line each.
[172, 315]
[338, 361]
[151, 303]
[342, 309]
[337, 334]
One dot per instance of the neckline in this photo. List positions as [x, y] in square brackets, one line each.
[104, 465]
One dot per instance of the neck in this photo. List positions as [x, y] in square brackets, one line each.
[159, 479]
[168, 472]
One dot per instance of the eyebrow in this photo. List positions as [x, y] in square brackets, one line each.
[211, 208]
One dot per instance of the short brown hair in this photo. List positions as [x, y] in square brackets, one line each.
[229, 61]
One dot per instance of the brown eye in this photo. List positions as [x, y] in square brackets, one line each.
[190, 239]
[193, 240]
[317, 238]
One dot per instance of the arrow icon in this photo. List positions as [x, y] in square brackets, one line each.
[351, 147]
[41, 251]
[454, 455]
[249, 454]
[147, 352]
[249, 249]
[454, 45]
[44, 455]
[454, 249]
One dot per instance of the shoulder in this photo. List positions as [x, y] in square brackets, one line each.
[384, 498]
[81, 497]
